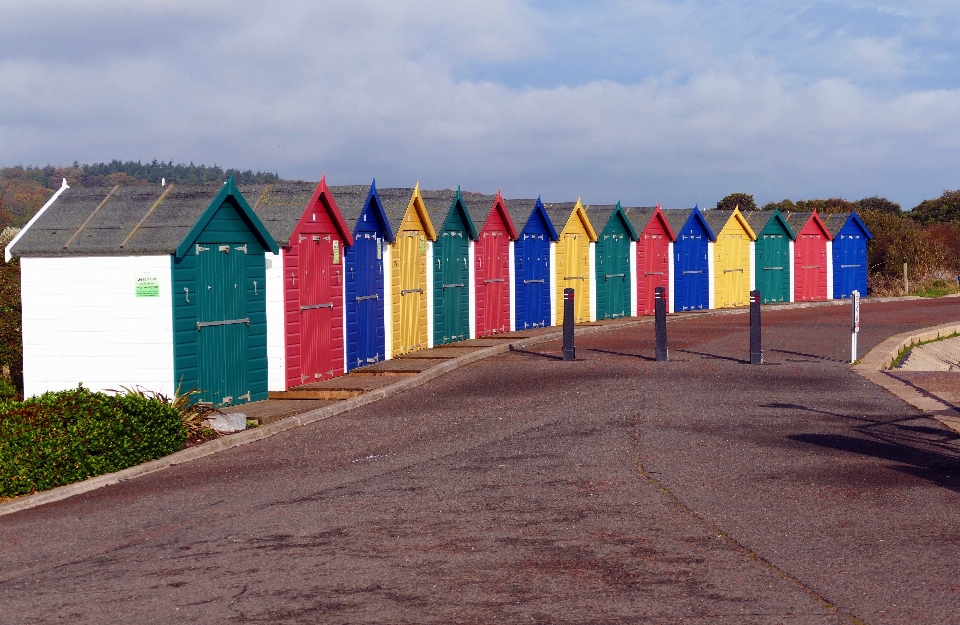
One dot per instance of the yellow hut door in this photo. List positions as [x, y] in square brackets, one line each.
[734, 256]
[411, 290]
[571, 274]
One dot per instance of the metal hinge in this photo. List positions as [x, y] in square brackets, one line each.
[200, 248]
[493, 280]
[241, 247]
[245, 396]
[362, 297]
[405, 291]
[203, 324]
[228, 399]
[312, 306]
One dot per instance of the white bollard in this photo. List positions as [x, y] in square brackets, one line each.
[854, 324]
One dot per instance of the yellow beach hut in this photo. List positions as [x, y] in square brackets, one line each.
[574, 265]
[733, 258]
[410, 255]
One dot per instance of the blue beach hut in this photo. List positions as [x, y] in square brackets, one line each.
[692, 256]
[532, 263]
[363, 268]
[850, 237]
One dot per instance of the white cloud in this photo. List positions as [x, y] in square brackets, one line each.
[368, 89]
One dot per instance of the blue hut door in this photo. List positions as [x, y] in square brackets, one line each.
[533, 261]
[691, 263]
[368, 250]
[222, 324]
[849, 260]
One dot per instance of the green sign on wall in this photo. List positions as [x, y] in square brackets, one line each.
[148, 284]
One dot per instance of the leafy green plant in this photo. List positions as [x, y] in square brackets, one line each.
[8, 390]
[193, 415]
[67, 436]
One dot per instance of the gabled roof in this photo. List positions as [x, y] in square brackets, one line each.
[759, 220]
[352, 200]
[441, 202]
[836, 221]
[678, 218]
[718, 220]
[522, 211]
[481, 206]
[132, 221]
[282, 206]
[562, 212]
[642, 215]
[395, 203]
[604, 214]
[798, 220]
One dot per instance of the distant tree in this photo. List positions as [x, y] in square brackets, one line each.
[831, 205]
[783, 205]
[880, 204]
[944, 209]
[743, 200]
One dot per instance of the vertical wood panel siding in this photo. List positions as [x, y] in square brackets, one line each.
[366, 341]
[83, 323]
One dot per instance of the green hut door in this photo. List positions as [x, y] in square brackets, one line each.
[454, 321]
[222, 323]
[773, 270]
[615, 278]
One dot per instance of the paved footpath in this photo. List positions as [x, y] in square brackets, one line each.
[524, 489]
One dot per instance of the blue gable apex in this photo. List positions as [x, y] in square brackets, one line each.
[540, 212]
[374, 205]
[855, 220]
[697, 217]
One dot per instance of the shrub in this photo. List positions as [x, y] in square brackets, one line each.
[11, 342]
[67, 436]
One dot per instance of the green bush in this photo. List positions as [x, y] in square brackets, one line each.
[67, 436]
[8, 390]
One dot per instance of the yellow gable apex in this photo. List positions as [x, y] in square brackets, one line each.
[743, 223]
[581, 213]
[416, 204]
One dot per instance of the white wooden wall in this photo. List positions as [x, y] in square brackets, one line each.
[82, 323]
[276, 333]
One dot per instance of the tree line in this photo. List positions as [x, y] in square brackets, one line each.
[23, 190]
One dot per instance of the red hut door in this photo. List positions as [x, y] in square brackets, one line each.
[493, 266]
[653, 267]
[317, 284]
[812, 262]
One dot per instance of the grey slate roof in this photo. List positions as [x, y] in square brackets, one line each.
[640, 216]
[351, 200]
[479, 206]
[835, 221]
[676, 217]
[160, 233]
[559, 213]
[280, 205]
[717, 219]
[438, 204]
[797, 220]
[520, 211]
[600, 215]
[758, 219]
[395, 202]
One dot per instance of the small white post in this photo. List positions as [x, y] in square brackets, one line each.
[854, 324]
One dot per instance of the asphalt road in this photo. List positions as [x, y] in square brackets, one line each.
[524, 489]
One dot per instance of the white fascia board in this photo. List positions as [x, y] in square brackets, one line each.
[553, 283]
[429, 294]
[387, 302]
[792, 276]
[829, 269]
[753, 266]
[63, 187]
[472, 285]
[593, 280]
[711, 281]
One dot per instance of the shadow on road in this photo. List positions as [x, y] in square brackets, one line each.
[714, 356]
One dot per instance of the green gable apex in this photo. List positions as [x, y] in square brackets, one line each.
[228, 194]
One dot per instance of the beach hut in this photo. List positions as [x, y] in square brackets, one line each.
[305, 281]
[850, 237]
[453, 254]
[367, 282]
[574, 266]
[812, 257]
[165, 289]
[653, 261]
[773, 254]
[615, 251]
[409, 309]
[692, 260]
[733, 255]
[533, 269]
[493, 263]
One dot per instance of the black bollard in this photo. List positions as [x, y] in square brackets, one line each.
[756, 352]
[660, 318]
[569, 351]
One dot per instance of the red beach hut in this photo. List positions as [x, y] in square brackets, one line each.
[492, 262]
[653, 255]
[810, 256]
[305, 284]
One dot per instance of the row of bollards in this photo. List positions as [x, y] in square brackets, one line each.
[660, 324]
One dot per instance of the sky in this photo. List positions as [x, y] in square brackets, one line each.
[643, 102]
